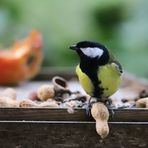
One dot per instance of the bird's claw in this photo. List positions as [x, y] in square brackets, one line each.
[111, 112]
[88, 112]
[109, 105]
[89, 106]
[107, 102]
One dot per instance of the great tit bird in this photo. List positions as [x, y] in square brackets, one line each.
[98, 72]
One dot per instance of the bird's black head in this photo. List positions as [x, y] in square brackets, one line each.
[92, 51]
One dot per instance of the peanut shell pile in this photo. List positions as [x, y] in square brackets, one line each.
[53, 95]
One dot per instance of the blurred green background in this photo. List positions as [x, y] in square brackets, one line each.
[121, 25]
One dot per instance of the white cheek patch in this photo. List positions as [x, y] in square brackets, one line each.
[92, 52]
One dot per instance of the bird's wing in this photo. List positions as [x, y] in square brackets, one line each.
[113, 60]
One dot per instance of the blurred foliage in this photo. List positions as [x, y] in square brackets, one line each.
[121, 25]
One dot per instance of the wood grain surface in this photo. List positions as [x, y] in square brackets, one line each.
[46, 114]
[71, 135]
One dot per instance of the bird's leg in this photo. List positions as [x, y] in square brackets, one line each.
[109, 104]
[89, 106]
[105, 100]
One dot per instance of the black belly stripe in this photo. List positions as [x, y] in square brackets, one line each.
[92, 73]
[98, 91]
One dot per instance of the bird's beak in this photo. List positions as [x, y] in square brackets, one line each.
[73, 47]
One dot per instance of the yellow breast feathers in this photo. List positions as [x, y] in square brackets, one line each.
[109, 75]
